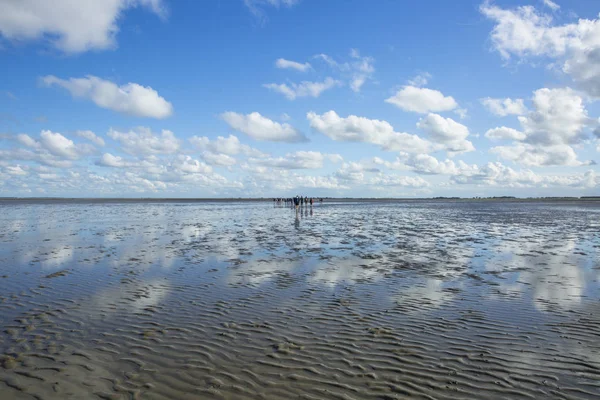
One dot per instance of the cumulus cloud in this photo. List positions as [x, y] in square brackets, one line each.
[132, 98]
[108, 160]
[557, 121]
[356, 171]
[218, 159]
[230, 145]
[142, 141]
[523, 32]
[297, 160]
[428, 165]
[422, 100]
[559, 117]
[51, 149]
[504, 107]
[360, 129]
[70, 26]
[497, 174]
[287, 64]
[503, 132]
[15, 170]
[91, 136]
[58, 145]
[535, 156]
[449, 134]
[399, 180]
[303, 89]
[261, 128]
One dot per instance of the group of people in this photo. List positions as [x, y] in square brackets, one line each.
[297, 201]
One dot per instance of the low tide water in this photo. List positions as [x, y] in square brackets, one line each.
[343, 300]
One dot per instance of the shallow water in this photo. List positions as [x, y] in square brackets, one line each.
[349, 300]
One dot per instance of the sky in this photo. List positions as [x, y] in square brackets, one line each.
[273, 98]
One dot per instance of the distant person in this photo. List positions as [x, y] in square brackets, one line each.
[311, 201]
[301, 201]
[321, 201]
[296, 203]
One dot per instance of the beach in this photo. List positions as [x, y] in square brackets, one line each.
[344, 300]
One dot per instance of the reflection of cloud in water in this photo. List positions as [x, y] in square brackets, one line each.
[194, 232]
[259, 271]
[549, 269]
[49, 258]
[430, 292]
[346, 270]
[134, 296]
[58, 257]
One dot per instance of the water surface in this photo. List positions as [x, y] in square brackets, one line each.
[349, 300]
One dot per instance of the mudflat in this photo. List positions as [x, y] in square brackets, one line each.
[344, 300]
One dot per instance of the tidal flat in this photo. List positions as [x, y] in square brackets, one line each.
[344, 300]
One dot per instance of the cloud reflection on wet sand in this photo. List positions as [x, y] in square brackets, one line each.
[357, 300]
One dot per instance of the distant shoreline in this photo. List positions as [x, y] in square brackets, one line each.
[40, 200]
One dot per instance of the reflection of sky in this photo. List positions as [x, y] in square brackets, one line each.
[551, 270]
[546, 254]
[349, 271]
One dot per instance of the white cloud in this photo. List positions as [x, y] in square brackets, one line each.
[523, 32]
[461, 112]
[297, 160]
[257, 6]
[504, 133]
[132, 99]
[230, 145]
[218, 159]
[58, 145]
[108, 160]
[70, 26]
[52, 149]
[362, 69]
[356, 71]
[422, 100]
[287, 64]
[559, 117]
[399, 180]
[429, 165]
[535, 156]
[504, 107]
[189, 165]
[91, 136]
[556, 122]
[420, 80]
[261, 128]
[142, 141]
[451, 135]
[303, 89]
[27, 140]
[551, 4]
[496, 174]
[360, 129]
[355, 171]
[15, 170]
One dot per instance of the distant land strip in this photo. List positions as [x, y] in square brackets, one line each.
[42, 200]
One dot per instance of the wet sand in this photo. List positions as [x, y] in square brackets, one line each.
[352, 300]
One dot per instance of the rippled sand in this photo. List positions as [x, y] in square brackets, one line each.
[232, 300]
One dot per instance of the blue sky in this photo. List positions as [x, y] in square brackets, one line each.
[160, 98]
